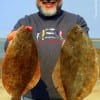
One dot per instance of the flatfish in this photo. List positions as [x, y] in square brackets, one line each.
[78, 66]
[98, 52]
[20, 66]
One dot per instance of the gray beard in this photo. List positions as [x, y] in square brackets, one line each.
[49, 13]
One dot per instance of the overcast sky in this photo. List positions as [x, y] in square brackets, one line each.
[12, 10]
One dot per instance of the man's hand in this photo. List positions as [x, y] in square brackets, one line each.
[63, 43]
[11, 35]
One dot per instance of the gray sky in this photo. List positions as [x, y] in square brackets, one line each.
[12, 10]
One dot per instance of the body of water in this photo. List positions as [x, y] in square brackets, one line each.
[2, 42]
[96, 42]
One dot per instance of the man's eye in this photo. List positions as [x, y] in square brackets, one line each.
[44, 2]
[48, 1]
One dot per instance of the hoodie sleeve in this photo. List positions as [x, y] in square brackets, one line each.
[82, 23]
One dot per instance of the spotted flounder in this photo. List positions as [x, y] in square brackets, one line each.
[76, 71]
[20, 66]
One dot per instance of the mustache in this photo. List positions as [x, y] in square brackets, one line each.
[48, 1]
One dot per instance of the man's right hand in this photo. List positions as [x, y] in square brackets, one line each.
[11, 36]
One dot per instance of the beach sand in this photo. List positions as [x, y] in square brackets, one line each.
[95, 95]
[3, 93]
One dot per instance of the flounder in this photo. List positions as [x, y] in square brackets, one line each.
[20, 66]
[98, 53]
[77, 68]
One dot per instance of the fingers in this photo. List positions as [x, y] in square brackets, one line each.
[29, 28]
[11, 35]
[63, 43]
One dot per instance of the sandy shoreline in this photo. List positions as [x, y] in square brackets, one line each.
[3, 94]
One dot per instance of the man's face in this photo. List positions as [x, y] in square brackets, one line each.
[49, 7]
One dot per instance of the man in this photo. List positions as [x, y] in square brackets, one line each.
[50, 27]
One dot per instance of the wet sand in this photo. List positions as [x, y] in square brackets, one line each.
[3, 93]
